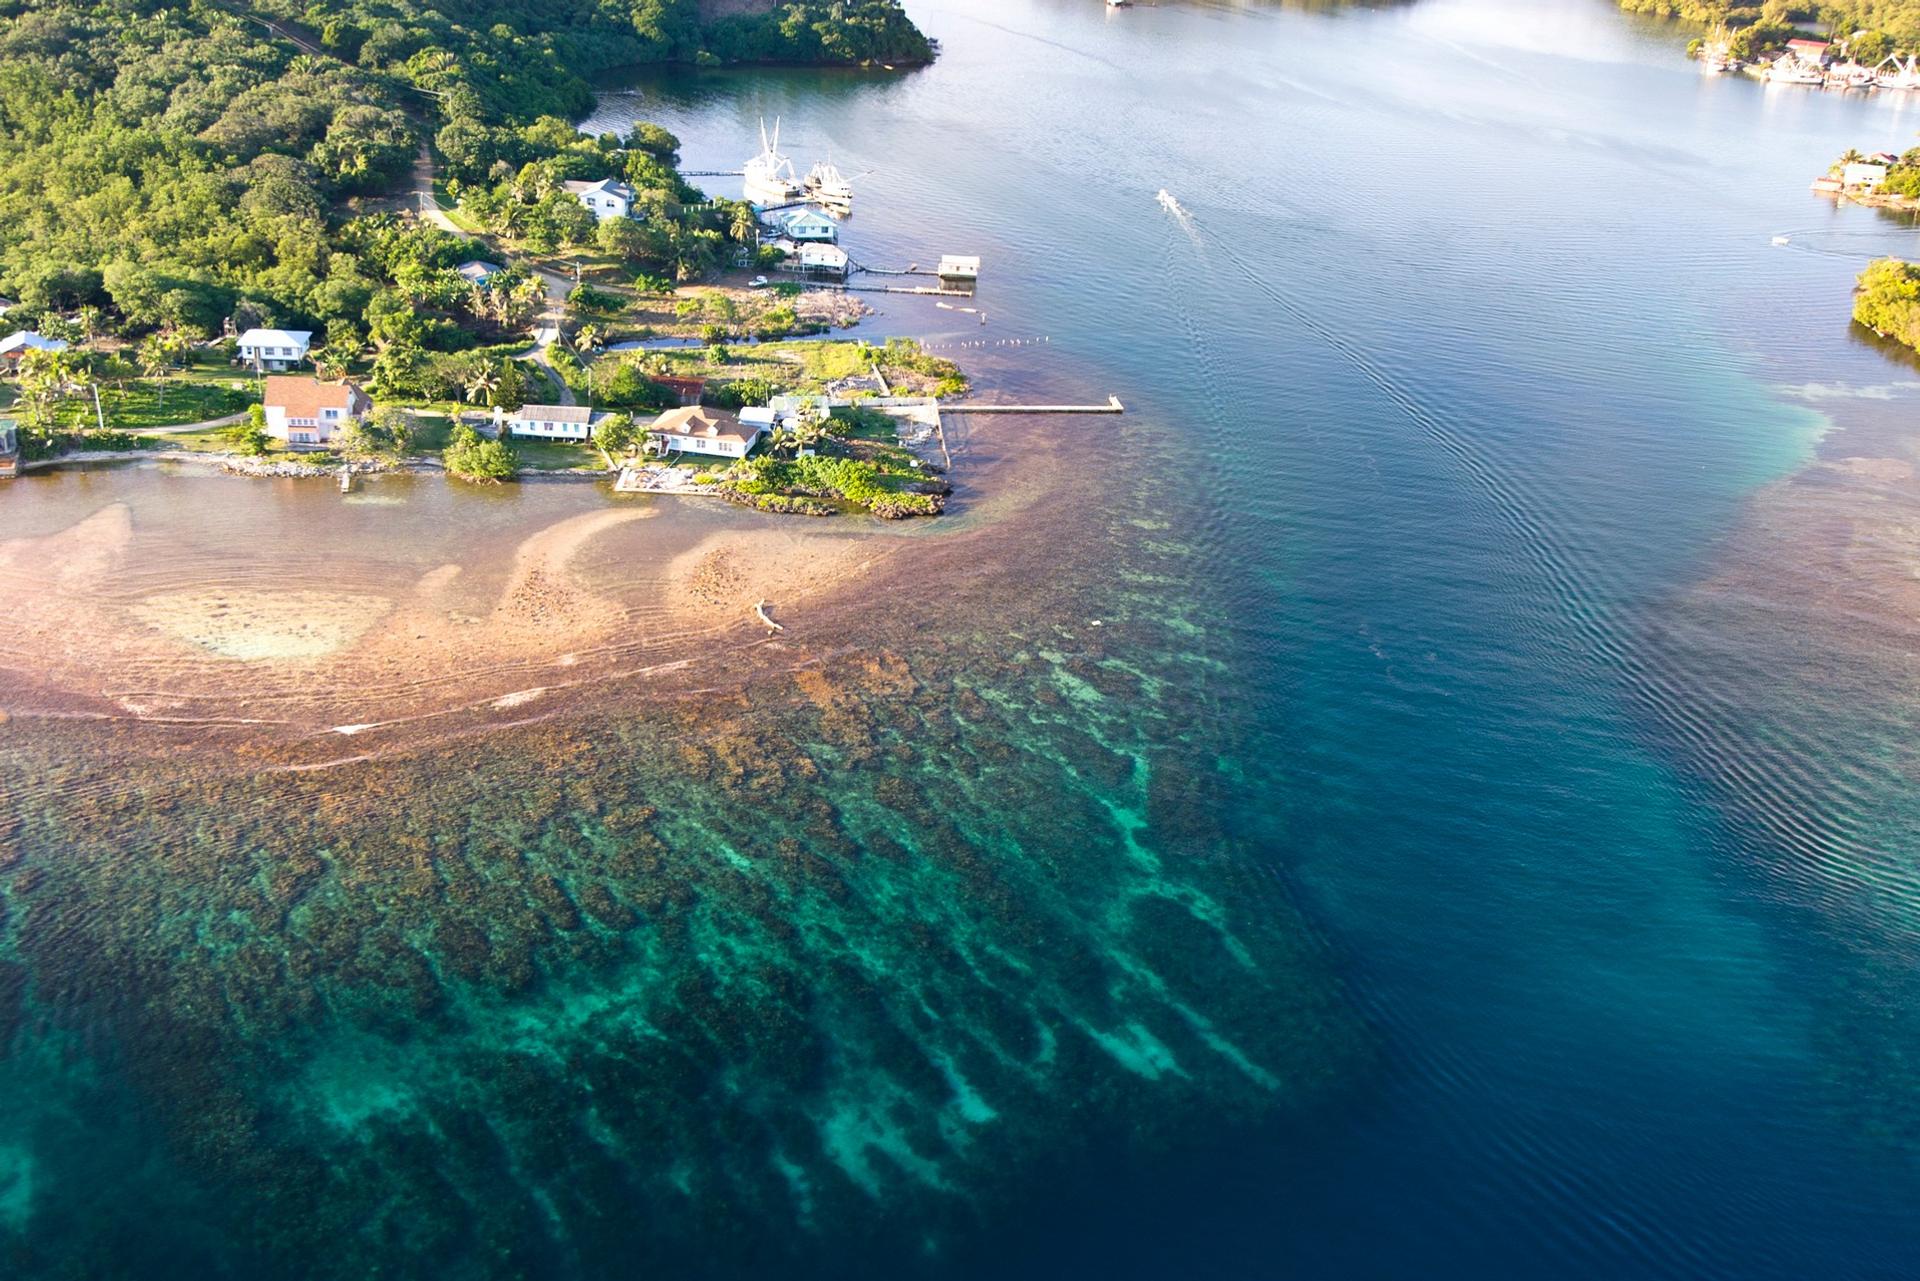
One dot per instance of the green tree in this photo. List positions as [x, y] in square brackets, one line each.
[471, 457]
[615, 434]
[249, 435]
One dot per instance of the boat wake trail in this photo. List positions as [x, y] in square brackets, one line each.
[1180, 215]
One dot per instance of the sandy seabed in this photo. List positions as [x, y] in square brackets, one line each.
[581, 591]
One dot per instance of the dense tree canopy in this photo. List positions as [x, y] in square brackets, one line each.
[1889, 24]
[1888, 300]
[174, 166]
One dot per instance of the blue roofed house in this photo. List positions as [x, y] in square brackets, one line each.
[805, 224]
[14, 347]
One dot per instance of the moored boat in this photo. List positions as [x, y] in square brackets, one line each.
[769, 178]
[826, 185]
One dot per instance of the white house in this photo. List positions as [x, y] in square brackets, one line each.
[551, 422]
[608, 198]
[273, 348]
[306, 411]
[803, 224]
[476, 272]
[831, 259]
[1862, 177]
[14, 346]
[697, 430]
[959, 267]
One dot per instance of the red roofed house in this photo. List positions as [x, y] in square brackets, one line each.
[306, 411]
[1811, 52]
[694, 430]
[685, 390]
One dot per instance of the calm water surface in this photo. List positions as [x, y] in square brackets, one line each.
[1459, 852]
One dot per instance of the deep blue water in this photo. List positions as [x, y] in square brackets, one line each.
[1465, 370]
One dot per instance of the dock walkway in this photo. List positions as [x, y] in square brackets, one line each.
[1113, 406]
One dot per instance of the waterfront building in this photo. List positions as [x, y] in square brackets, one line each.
[551, 422]
[959, 267]
[306, 411]
[1811, 52]
[826, 260]
[693, 429]
[1862, 177]
[9, 449]
[807, 225]
[273, 348]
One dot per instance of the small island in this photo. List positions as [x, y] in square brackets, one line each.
[1887, 301]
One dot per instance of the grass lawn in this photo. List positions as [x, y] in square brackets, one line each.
[149, 403]
[556, 455]
[805, 367]
[216, 442]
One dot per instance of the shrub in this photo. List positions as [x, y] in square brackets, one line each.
[470, 457]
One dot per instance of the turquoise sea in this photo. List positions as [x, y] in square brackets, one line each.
[1429, 791]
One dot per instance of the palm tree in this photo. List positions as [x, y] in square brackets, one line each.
[90, 321]
[745, 226]
[587, 339]
[153, 355]
[1852, 156]
[328, 363]
[482, 385]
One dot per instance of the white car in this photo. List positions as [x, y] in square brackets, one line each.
[758, 282]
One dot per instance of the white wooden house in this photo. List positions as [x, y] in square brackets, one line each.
[608, 198]
[273, 348]
[551, 422]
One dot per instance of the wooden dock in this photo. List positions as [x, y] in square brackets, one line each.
[1113, 406]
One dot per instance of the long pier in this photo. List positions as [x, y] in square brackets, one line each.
[1113, 406]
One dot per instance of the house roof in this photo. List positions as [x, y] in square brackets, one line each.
[305, 397]
[695, 420]
[276, 338]
[833, 254]
[476, 270]
[552, 414]
[26, 340]
[608, 186]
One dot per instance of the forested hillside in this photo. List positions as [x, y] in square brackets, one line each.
[165, 165]
[1889, 23]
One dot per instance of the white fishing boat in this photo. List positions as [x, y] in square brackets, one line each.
[826, 185]
[1118, 4]
[1167, 201]
[1893, 73]
[1789, 70]
[769, 175]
